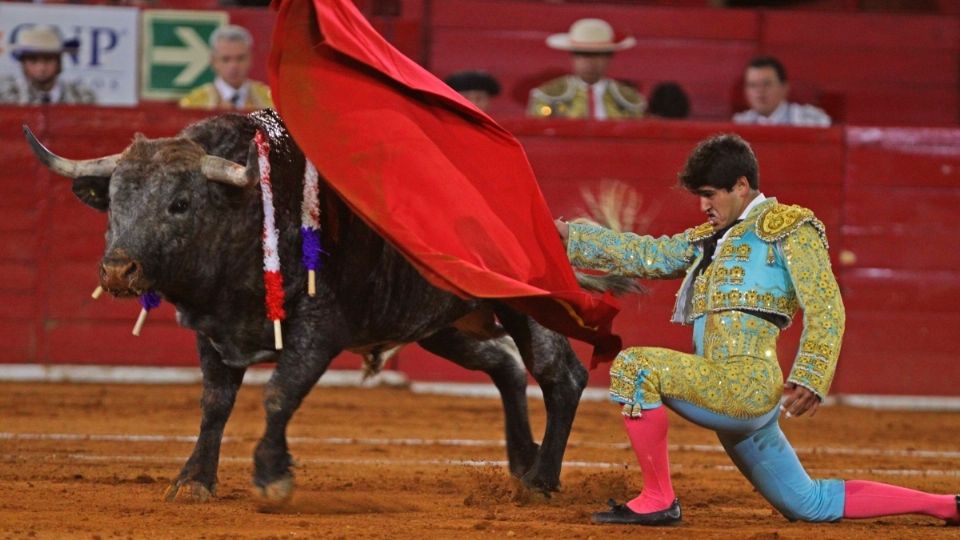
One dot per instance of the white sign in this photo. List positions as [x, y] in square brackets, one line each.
[107, 58]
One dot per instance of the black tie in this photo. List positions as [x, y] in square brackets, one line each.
[709, 246]
[45, 98]
[235, 100]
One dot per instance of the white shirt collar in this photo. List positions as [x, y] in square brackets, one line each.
[26, 91]
[227, 91]
[56, 93]
[753, 204]
[743, 215]
[598, 89]
[780, 115]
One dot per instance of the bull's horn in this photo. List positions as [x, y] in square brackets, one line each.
[223, 170]
[68, 167]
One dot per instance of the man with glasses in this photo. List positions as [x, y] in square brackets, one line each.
[765, 87]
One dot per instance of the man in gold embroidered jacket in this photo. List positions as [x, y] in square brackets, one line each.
[746, 272]
[769, 265]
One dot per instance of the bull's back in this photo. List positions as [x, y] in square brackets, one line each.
[379, 293]
[382, 295]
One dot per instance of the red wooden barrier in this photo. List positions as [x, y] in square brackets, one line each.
[703, 49]
[864, 68]
[884, 194]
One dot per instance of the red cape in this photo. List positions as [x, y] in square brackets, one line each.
[445, 184]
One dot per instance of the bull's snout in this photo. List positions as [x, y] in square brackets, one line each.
[122, 276]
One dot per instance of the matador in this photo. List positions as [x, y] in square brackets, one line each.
[746, 272]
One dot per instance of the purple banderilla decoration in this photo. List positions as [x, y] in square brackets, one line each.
[150, 300]
[311, 248]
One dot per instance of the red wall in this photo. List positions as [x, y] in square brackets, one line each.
[886, 195]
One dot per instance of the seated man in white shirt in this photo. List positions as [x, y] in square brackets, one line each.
[230, 58]
[765, 86]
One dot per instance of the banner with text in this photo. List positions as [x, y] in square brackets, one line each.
[106, 60]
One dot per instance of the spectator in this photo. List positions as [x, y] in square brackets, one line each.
[668, 100]
[479, 87]
[588, 92]
[39, 49]
[230, 58]
[765, 86]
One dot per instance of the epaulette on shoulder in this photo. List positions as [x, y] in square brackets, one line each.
[627, 96]
[700, 232]
[260, 88]
[780, 220]
[199, 96]
[554, 88]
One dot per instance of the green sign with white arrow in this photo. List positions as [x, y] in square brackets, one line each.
[176, 51]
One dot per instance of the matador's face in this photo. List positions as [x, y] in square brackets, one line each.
[722, 206]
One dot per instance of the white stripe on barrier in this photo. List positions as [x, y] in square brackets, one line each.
[451, 462]
[482, 443]
[178, 375]
[352, 378]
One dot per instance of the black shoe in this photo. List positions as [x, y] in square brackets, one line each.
[955, 522]
[621, 514]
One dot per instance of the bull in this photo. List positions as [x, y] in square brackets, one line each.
[185, 218]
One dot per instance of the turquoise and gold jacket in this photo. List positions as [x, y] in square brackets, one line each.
[774, 261]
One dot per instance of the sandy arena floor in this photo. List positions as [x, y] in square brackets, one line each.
[92, 461]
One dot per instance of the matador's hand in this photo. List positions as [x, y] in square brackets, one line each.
[563, 229]
[797, 400]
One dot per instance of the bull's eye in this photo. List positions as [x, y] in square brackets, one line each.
[179, 206]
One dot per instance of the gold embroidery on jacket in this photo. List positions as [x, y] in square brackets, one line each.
[824, 317]
[701, 232]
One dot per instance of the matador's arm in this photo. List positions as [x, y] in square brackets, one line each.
[824, 318]
[629, 254]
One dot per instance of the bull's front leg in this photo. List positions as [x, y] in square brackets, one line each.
[305, 357]
[562, 378]
[197, 480]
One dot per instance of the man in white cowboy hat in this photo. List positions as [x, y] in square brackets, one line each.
[587, 92]
[39, 49]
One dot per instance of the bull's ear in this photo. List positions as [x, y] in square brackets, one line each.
[93, 191]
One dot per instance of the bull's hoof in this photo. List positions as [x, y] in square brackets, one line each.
[534, 482]
[525, 495]
[188, 491]
[277, 492]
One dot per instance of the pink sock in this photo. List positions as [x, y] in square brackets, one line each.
[865, 499]
[648, 436]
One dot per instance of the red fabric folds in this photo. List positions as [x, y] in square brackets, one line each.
[439, 179]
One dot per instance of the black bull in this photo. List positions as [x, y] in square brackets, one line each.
[185, 220]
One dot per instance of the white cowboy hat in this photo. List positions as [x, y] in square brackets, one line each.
[590, 36]
[41, 39]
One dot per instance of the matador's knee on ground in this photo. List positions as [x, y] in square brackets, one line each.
[629, 382]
